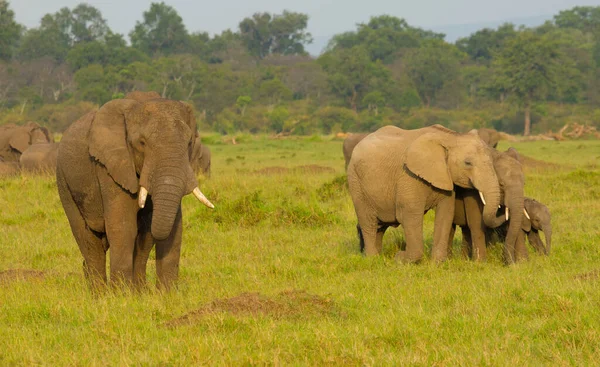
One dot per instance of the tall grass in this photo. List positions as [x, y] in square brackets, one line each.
[284, 222]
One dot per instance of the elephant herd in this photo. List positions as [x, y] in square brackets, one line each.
[396, 175]
[29, 147]
[122, 170]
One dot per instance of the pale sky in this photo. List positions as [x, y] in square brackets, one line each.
[326, 17]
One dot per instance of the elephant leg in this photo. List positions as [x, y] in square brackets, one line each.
[368, 225]
[413, 232]
[536, 241]
[520, 248]
[467, 243]
[121, 231]
[361, 239]
[476, 228]
[168, 252]
[143, 247]
[444, 215]
[451, 239]
[91, 244]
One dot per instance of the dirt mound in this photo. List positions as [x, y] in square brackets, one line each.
[287, 304]
[312, 168]
[11, 275]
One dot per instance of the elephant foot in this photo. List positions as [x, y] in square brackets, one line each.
[403, 258]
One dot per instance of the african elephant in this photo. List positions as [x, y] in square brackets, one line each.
[201, 158]
[15, 139]
[9, 169]
[537, 219]
[397, 175]
[121, 174]
[40, 158]
[349, 144]
[469, 208]
[490, 136]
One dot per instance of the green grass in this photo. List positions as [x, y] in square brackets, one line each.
[282, 229]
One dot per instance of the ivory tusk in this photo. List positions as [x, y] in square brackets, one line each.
[142, 196]
[200, 196]
[526, 214]
[481, 196]
[506, 212]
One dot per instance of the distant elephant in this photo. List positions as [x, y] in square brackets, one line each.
[9, 169]
[469, 208]
[201, 158]
[121, 174]
[490, 136]
[15, 139]
[349, 144]
[40, 158]
[396, 175]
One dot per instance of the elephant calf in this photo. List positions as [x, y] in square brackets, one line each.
[349, 144]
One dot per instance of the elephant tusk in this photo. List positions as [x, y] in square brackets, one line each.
[506, 212]
[142, 197]
[526, 214]
[200, 196]
[481, 196]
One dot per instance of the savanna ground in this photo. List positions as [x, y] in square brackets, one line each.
[273, 275]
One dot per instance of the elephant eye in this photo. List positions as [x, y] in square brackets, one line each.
[468, 163]
[142, 142]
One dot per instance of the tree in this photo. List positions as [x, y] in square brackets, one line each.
[481, 45]
[161, 32]
[87, 24]
[10, 31]
[264, 34]
[527, 66]
[584, 18]
[433, 66]
[383, 37]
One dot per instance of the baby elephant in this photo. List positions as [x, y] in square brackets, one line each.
[539, 220]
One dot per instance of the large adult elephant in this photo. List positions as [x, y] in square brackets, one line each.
[349, 144]
[40, 158]
[122, 172]
[15, 139]
[469, 210]
[201, 158]
[397, 175]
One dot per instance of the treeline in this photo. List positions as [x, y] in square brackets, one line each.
[259, 78]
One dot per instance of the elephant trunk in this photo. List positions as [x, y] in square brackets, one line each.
[547, 229]
[169, 186]
[514, 204]
[490, 190]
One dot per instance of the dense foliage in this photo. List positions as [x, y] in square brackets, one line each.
[259, 77]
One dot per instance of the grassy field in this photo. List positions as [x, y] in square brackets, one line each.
[273, 276]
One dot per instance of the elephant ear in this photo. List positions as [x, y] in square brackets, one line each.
[20, 140]
[190, 120]
[108, 142]
[426, 157]
[512, 152]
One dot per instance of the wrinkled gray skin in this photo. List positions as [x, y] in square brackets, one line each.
[397, 175]
[469, 208]
[15, 139]
[348, 146]
[490, 136]
[103, 161]
[201, 158]
[40, 158]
